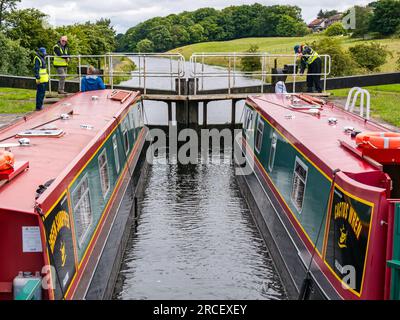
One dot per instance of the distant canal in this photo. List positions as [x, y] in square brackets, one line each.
[196, 238]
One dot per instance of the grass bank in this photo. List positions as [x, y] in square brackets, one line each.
[284, 46]
[385, 102]
[17, 100]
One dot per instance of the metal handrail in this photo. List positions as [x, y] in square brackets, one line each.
[232, 72]
[142, 73]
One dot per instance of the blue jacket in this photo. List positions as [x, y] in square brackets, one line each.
[91, 83]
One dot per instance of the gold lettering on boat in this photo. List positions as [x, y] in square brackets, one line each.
[344, 210]
[60, 221]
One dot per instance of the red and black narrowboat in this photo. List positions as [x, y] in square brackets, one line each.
[325, 192]
[67, 199]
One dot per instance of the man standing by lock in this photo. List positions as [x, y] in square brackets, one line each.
[61, 60]
[41, 75]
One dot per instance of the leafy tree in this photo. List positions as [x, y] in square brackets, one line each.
[341, 62]
[335, 29]
[363, 18]
[15, 59]
[370, 56]
[251, 63]
[386, 17]
[28, 26]
[289, 27]
[5, 7]
[326, 14]
[145, 45]
[196, 33]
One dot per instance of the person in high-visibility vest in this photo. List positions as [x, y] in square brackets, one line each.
[61, 60]
[309, 59]
[41, 75]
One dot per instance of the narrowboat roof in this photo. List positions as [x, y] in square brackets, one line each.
[49, 156]
[313, 134]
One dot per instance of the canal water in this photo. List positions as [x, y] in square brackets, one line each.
[195, 237]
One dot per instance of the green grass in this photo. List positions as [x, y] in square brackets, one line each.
[16, 100]
[282, 45]
[385, 102]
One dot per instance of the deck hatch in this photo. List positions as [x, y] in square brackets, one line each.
[299, 184]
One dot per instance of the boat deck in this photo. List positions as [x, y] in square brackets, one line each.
[49, 156]
[315, 134]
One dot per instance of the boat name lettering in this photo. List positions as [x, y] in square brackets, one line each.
[60, 221]
[344, 210]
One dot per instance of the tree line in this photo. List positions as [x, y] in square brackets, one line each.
[161, 34]
[23, 31]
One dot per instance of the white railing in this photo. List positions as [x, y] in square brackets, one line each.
[232, 69]
[108, 63]
[353, 97]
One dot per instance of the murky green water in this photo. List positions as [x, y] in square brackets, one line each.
[196, 239]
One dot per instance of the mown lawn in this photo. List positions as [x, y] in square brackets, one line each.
[17, 100]
[385, 102]
[282, 45]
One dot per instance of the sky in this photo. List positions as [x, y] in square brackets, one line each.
[127, 13]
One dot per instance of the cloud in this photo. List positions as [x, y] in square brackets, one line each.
[127, 13]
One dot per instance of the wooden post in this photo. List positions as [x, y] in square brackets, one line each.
[169, 103]
[233, 113]
[205, 105]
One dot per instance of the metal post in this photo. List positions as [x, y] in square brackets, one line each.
[105, 65]
[233, 114]
[140, 79]
[144, 75]
[170, 72]
[49, 71]
[234, 69]
[263, 73]
[202, 73]
[80, 72]
[205, 105]
[229, 75]
[325, 74]
[195, 77]
[112, 72]
[294, 74]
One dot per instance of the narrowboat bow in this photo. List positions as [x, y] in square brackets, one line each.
[326, 201]
[68, 199]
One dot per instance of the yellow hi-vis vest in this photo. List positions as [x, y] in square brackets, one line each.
[312, 57]
[58, 61]
[44, 76]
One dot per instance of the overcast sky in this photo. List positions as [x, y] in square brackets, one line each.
[128, 13]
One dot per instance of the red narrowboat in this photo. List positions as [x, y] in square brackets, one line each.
[325, 192]
[67, 198]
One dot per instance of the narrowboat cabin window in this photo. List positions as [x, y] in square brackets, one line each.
[82, 210]
[249, 118]
[299, 184]
[104, 175]
[126, 140]
[116, 155]
[272, 152]
[259, 135]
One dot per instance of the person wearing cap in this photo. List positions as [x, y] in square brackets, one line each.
[92, 82]
[41, 75]
[61, 60]
[309, 59]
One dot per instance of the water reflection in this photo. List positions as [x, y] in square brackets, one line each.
[196, 239]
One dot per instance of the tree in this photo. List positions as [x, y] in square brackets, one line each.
[363, 18]
[27, 26]
[370, 56]
[251, 63]
[289, 27]
[342, 64]
[196, 33]
[15, 59]
[145, 45]
[326, 14]
[5, 7]
[386, 18]
[335, 29]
